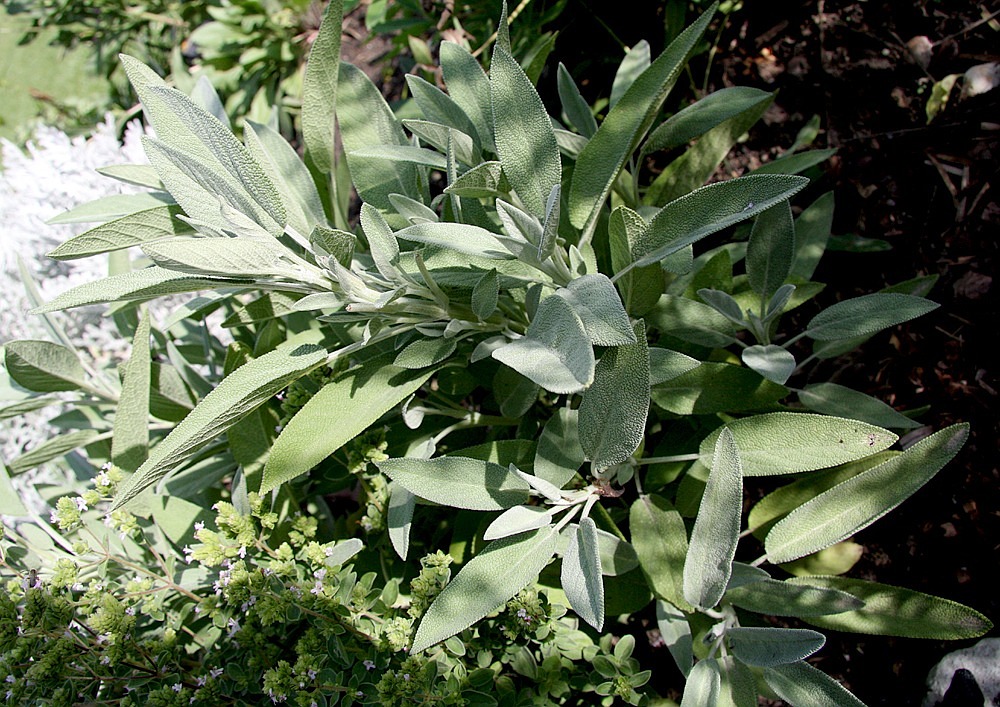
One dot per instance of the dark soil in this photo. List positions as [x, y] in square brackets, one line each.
[931, 191]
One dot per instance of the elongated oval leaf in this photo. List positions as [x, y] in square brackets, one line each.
[10, 500]
[458, 482]
[865, 315]
[109, 208]
[237, 395]
[771, 249]
[789, 443]
[775, 598]
[765, 647]
[895, 611]
[701, 116]
[130, 443]
[43, 367]
[660, 541]
[425, 352]
[401, 153]
[573, 104]
[559, 454]
[833, 399]
[469, 87]
[134, 229]
[802, 685]
[229, 257]
[460, 237]
[703, 685]
[53, 448]
[500, 571]
[709, 560]
[855, 504]
[581, 574]
[481, 182]
[626, 124]
[676, 634]
[319, 89]
[556, 352]
[399, 518]
[518, 519]
[595, 300]
[438, 107]
[339, 412]
[524, 138]
[717, 387]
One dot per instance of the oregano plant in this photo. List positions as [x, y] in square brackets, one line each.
[517, 347]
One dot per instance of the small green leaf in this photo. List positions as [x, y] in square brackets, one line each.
[581, 574]
[438, 107]
[771, 249]
[855, 504]
[795, 163]
[709, 559]
[701, 116]
[382, 242]
[774, 598]
[227, 257]
[524, 137]
[110, 208]
[865, 315]
[469, 87]
[614, 409]
[801, 685]
[703, 686]
[514, 393]
[559, 454]
[236, 396]
[500, 571]
[833, 399]
[789, 442]
[355, 400]
[766, 647]
[425, 352]
[895, 611]
[773, 362]
[135, 229]
[130, 443]
[691, 321]
[485, 295]
[660, 541]
[319, 89]
[556, 352]
[400, 153]
[43, 367]
[458, 482]
[573, 104]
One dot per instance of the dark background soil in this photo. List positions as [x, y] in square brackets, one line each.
[929, 190]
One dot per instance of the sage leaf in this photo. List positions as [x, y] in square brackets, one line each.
[724, 304]
[676, 634]
[43, 367]
[771, 249]
[439, 108]
[518, 519]
[319, 89]
[641, 287]
[339, 412]
[833, 399]
[775, 598]
[499, 572]
[660, 541]
[623, 129]
[717, 387]
[524, 138]
[703, 685]
[559, 453]
[895, 611]
[439, 136]
[459, 237]
[109, 208]
[399, 518]
[130, 443]
[412, 210]
[855, 504]
[134, 229]
[613, 410]
[573, 104]
[425, 352]
[665, 365]
[766, 647]
[773, 362]
[10, 500]
[690, 321]
[637, 59]
[228, 257]
[812, 231]
[514, 393]
[581, 574]
[237, 395]
[469, 87]
[139, 175]
[458, 482]
[701, 116]
[739, 686]
[481, 182]
[596, 302]
[795, 162]
[789, 443]
[556, 352]
[801, 685]
[865, 315]
[401, 153]
[716, 531]
[381, 242]
[54, 448]
[485, 295]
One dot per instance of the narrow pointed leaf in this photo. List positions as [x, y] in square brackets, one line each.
[425, 352]
[339, 412]
[581, 574]
[54, 448]
[559, 454]
[833, 399]
[10, 501]
[134, 229]
[43, 367]
[766, 647]
[717, 387]
[701, 116]
[438, 107]
[469, 87]
[895, 611]
[665, 365]
[771, 249]
[130, 443]
[801, 685]
[524, 137]
[481, 182]
[637, 59]
[789, 443]
[485, 295]
[812, 231]
[518, 519]
[775, 598]
[399, 518]
[676, 634]
[459, 237]
[458, 482]
[709, 559]
[109, 208]
[573, 104]
[660, 541]
[855, 504]
[641, 287]
[499, 572]
[866, 315]
[614, 409]
[623, 129]
[229, 257]
[237, 395]
[319, 89]
[381, 242]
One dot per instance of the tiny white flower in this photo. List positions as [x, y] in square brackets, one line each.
[80, 503]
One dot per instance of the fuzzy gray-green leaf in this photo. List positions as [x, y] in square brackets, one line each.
[559, 453]
[130, 443]
[767, 646]
[776, 598]
[485, 295]
[573, 104]
[319, 89]
[500, 571]
[43, 367]
[773, 362]
[801, 685]
[865, 315]
[703, 686]
[771, 249]
[660, 541]
[581, 574]
[134, 229]
[458, 482]
[709, 559]
[596, 302]
[833, 399]
[861, 500]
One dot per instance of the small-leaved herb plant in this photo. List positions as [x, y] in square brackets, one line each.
[516, 364]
